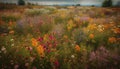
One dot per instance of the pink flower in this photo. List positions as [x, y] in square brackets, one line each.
[16, 66]
[51, 37]
[40, 39]
[34, 67]
[56, 63]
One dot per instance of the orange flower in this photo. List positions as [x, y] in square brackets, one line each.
[112, 39]
[45, 37]
[40, 50]
[34, 42]
[106, 26]
[92, 26]
[91, 36]
[11, 32]
[77, 48]
[65, 36]
[10, 23]
[116, 30]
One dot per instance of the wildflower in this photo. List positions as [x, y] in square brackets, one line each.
[112, 39]
[12, 44]
[77, 19]
[40, 50]
[65, 36]
[26, 64]
[34, 67]
[40, 39]
[11, 32]
[34, 42]
[30, 48]
[10, 23]
[63, 15]
[92, 56]
[100, 28]
[32, 59]
[106, 26]
[77, 48]
[92, 26]
[56, 63]
[70, 25]
[51, 37]
[11, 40]
[16, 66]
[72, 56]
[91, 36]
[116, 30]
[3, 48]
[31, 24]
[45, 37]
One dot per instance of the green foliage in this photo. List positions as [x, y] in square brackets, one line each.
[118, 4]
[107, 3]
[8, 18]
[21, 2]
[7, 6]
[77, 4]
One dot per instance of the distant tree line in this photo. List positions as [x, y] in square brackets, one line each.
[21, 2]
[107, 3]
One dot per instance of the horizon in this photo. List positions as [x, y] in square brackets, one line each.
[62, 2]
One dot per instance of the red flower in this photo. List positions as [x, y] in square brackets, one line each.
[56, 63]
[40, 39]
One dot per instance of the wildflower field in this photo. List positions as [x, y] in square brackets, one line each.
[58, 37]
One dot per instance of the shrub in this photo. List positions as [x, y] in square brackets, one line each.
[21, 2]
[107, 3]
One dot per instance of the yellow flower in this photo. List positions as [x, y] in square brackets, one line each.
[45, 37]
[65, 36]
[92, 26]
[77, 19]
[31, 24]
[100, 28]
[70, 25]
[91, 36]
[77, 48]
[62, 13]
[40, 51]
[34, 42]
[112, 39]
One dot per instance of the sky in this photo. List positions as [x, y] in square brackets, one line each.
[54, 2]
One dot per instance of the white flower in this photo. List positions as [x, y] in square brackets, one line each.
[11, 40]
[5, 52]
[12, 44]
[26, 64]
[3, 48]
[72, 44]
[72, 56]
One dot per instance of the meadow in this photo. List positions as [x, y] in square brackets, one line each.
[59, 37]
